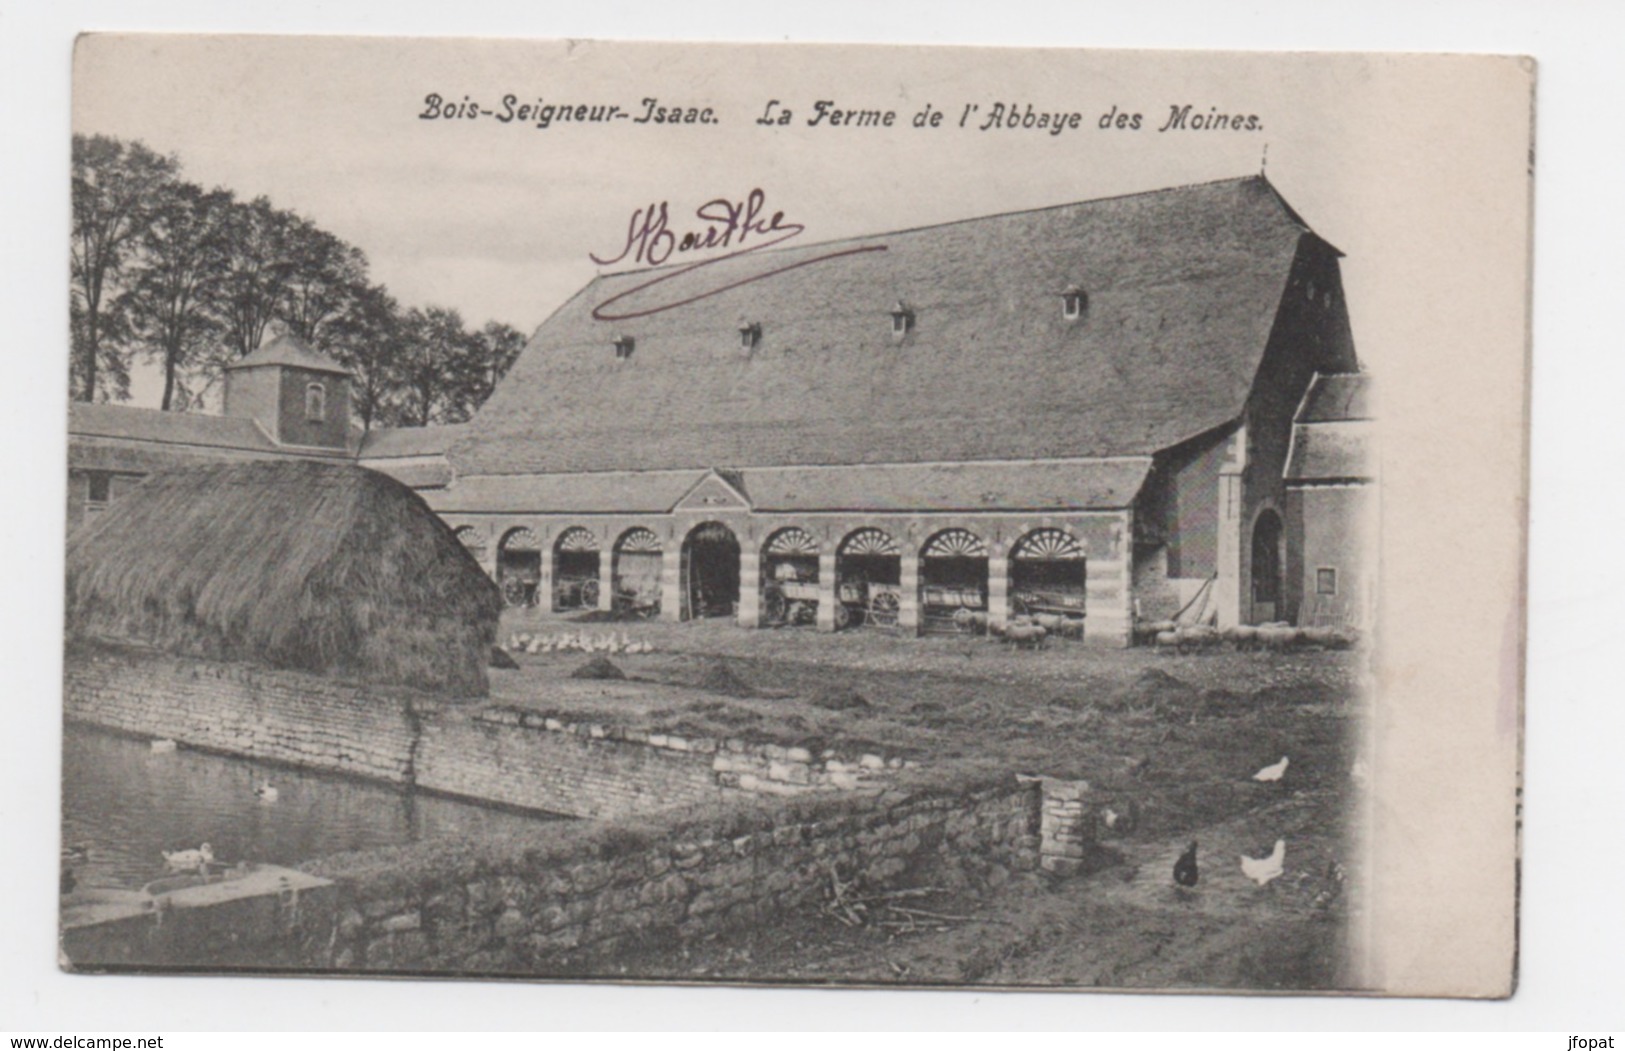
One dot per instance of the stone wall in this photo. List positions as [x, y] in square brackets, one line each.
[245, 710]
[598, 891]
[489, 753]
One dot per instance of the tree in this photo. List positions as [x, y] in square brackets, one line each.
[434, 366]
[259, 265]
[325, 277]
[499, 347]
[114, 186]
[366, 339]
[176, 280]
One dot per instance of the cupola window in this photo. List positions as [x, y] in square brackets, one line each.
[315, 402]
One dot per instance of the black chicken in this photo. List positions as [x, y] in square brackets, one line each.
[1185, 868]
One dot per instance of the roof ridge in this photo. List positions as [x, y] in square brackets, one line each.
[774, 248]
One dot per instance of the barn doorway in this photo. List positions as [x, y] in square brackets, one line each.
[710, 571]
[953, 581]
[868, 572]
[790, 578]
[575, 570]
[519, 566]
[635, 571]
[1048, 575]
[1267, 568]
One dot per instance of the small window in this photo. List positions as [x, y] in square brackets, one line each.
[1325, 581]
[315, 402]
[902, 320]
[623, 347]
[1073, 302]
[101, 485]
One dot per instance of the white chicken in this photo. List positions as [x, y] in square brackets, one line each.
[182, 860]
[1273, 772]
[1262, 870]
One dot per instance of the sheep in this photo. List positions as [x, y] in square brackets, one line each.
[1025, 636]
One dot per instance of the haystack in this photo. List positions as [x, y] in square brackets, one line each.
[324, 568]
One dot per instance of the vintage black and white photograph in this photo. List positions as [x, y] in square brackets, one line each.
[782, 514]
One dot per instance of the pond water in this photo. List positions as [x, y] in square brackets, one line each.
[127, 804]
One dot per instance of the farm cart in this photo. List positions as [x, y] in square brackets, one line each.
[945, 610]
[859, 602]
[790, 601]
[575, 593]
[638, 604]
[1060, 611]
[519, 588]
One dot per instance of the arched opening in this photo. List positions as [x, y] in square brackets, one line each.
[473, 542]
[519, 566]
[790, 577]
[1048, 578]
[635, 572]
[710, 572]
[868, 574]
[575, 570]
[953, 580]
[1266, 567]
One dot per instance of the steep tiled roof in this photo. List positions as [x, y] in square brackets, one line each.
[289, 349]
[1337, 396]
[605, 492]
[384, 442]
[1182, 289]
[1081, 485]
[1331, 437]
[1077, 485]
[87, 419]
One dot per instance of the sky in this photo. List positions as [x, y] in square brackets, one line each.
[498, 219]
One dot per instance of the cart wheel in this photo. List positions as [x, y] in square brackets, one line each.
[774, 605]
[843, 616]
[883, 608]
[589, 594]
[513, 593]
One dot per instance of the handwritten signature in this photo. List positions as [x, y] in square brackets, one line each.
[651, 241]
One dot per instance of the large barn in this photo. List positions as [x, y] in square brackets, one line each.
[1085, 410]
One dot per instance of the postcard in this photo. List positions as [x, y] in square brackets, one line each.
[854, 515]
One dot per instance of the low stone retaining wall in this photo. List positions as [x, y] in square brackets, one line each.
[498, 754]
[593, 892]
[245, 710]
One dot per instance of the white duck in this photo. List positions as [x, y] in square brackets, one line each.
[181, 860]
[1273, 772]
[1263, 870]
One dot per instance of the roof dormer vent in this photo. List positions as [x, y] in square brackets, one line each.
[750, 334]
[623, 347]
[1074, 301]
[902, 320]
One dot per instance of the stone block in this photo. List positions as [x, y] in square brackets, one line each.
[872, 762]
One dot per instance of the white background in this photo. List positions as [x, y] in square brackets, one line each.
[1573, 945]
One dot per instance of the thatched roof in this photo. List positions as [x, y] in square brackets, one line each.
[322, 567]
[1183, 289]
